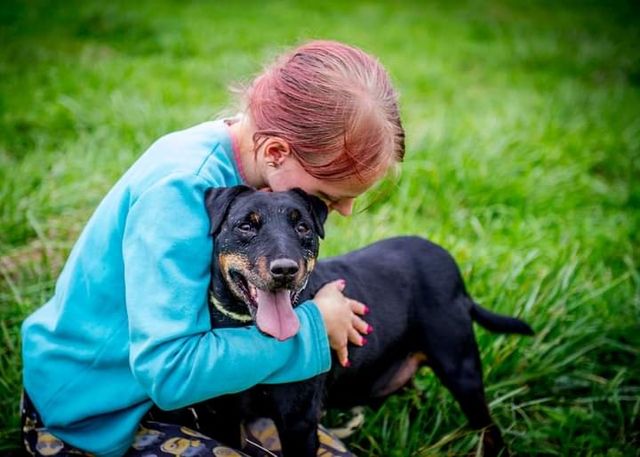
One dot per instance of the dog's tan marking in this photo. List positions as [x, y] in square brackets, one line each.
[234, 262]
[230, 262]
[238, 262]
[302, 272]
[262, 269]
[311, 264]
[254, 217]
[233, 315]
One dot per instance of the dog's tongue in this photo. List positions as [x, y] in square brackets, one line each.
[275, 315]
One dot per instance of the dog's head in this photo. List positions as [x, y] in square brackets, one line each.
[265, 247]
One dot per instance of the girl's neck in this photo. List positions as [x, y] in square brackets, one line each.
[242, 135]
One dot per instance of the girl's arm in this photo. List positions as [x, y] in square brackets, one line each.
[174, 354]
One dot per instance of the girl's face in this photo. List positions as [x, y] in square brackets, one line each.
[338, 195]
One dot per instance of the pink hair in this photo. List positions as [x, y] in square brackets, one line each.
[336, 108]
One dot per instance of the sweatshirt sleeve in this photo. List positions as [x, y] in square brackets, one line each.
[174, 354]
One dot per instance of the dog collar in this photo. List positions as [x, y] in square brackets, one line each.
[233, 315]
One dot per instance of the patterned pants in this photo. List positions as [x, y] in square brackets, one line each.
[158, 439]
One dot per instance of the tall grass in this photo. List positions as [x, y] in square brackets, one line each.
[523, 124]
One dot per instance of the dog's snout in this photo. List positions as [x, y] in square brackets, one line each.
[283, 268]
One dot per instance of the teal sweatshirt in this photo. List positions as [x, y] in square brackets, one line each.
[128, 325]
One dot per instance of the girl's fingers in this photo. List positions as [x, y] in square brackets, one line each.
[343, 356]
[359, 308]
[356, 338]
[360, 325]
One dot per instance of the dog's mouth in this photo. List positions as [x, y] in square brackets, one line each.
[271, 309]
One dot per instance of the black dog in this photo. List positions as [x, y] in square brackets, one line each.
[265, 249]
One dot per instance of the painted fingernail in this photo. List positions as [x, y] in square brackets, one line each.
[347, 364]
[369, 328]
[366, 309]
[342, 282]
[364, 341]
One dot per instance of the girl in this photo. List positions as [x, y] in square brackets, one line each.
[128, 325]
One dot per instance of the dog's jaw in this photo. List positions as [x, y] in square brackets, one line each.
[226, 309]
[223, 309]
[236, 300]
[269, 304]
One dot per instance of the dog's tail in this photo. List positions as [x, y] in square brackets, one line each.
[497, 322]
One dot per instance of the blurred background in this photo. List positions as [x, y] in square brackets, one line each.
[523, 160]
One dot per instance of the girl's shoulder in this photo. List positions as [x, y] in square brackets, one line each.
[204, 150]
[198, 139]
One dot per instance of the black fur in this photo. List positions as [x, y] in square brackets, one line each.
[418, 303]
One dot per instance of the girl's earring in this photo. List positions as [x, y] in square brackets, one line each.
[272, 165]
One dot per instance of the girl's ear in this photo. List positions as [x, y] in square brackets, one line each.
[275, 150]
[217, 200]
[318, 209]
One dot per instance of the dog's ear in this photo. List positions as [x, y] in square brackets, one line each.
[318, 209]
[217, 201]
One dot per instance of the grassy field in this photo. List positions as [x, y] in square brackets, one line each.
[523, 127]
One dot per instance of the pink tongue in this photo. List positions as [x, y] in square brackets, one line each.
[275, 314]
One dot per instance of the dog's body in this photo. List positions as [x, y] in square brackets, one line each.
[419, 310]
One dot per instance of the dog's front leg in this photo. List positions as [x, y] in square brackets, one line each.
[296, 413]
[221, 418]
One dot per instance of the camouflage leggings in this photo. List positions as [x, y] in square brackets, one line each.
[158, 439]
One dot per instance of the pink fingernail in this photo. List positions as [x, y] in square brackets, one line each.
[364, 341]
[366, 309]
[347, 364]
[369, 329]
[343, 282]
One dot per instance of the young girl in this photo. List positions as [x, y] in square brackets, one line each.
[128, 326]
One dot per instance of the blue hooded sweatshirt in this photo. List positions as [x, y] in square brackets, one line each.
[128, 325]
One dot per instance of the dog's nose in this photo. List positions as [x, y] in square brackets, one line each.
[281, 268]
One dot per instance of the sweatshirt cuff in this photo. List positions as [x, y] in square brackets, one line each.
[319, 335]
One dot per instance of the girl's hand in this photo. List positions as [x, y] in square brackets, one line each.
[340, 315]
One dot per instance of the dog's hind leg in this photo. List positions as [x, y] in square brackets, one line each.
[453, 355]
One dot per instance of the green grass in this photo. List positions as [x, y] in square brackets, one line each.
[523, 159]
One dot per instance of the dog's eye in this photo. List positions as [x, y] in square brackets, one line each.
[302, 228]
[246, 227]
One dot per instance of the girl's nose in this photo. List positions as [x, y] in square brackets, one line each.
[343, 206]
